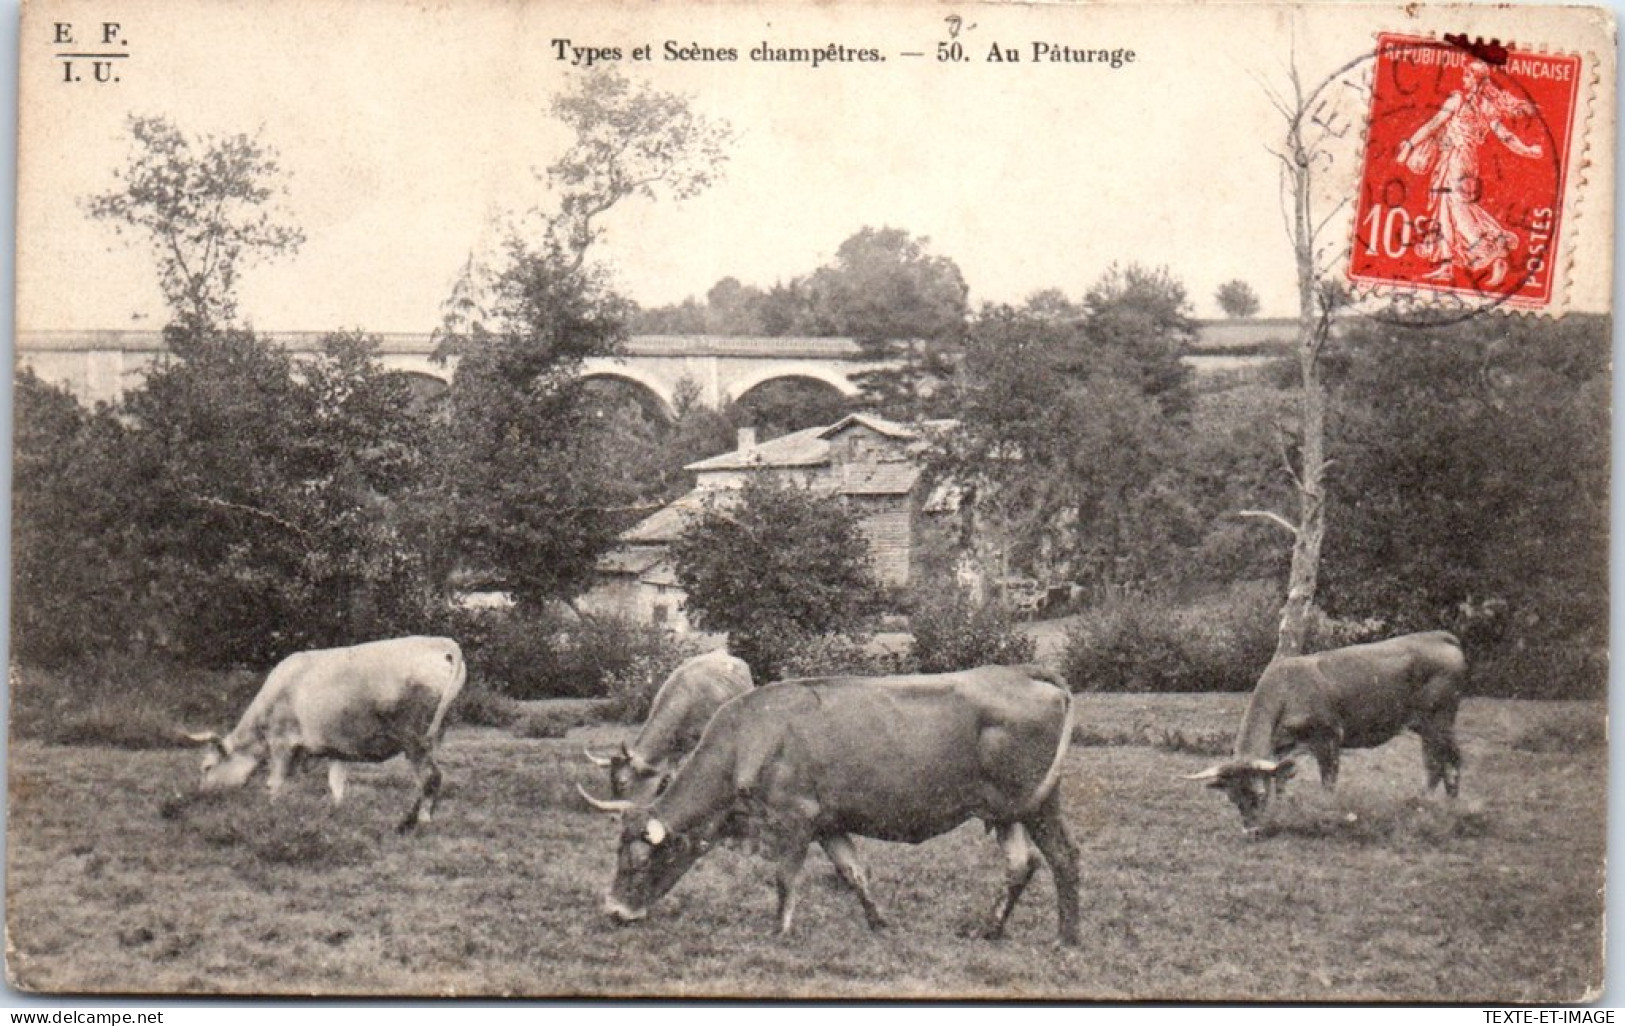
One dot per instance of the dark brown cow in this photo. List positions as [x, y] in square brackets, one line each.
[1356, 697]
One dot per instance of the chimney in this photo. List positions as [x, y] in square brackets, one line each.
[747, 438]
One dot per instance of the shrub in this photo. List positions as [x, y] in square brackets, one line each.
[951, 632]
[830, 655]
[481, 705]
[1141, 644]
[1133, 644]
[630, 689]
[530, 655]
[553, 722]
[1570, 670]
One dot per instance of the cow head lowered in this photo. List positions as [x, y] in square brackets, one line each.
[650, 860]
[900, 759]
[224, 767]
[1250, 783]
[1360, 696]
[630, 777]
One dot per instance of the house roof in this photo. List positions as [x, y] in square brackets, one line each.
[879, 425]
[804, 448]
[667, 524]
[808, 447]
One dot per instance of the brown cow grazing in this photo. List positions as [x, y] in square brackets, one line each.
[895, 758]
[1356, 697]
[682, 707]
[365, 703]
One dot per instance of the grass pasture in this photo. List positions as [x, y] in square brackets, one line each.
[119, 881]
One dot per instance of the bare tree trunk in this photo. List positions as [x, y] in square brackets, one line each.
[1314, 322]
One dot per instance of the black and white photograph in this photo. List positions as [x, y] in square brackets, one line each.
[795, 501]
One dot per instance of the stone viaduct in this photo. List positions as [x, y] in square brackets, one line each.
[102, 365]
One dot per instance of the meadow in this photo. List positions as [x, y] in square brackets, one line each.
[122, 880]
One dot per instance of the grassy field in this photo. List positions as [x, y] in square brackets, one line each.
[121, 881]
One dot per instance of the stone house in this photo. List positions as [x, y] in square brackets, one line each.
[874, 463]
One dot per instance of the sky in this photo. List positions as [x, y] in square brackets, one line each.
[408, 131]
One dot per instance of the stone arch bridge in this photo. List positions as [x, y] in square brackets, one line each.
[103, 365]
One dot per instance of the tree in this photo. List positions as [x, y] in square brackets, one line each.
[1308, 131]
[526, 485]
[902, 304]
[1474, 468]
[207, 207]
[1074, 466]
[1141, 316]
[75, 587]
[268, 496]
[773, 568]
[1237, 298]
[630, 140]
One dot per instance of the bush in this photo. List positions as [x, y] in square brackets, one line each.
[951, 632]
[1141, 644]
[481, 705]
[839, 655]
[529, 655]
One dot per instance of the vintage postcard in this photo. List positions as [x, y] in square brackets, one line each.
[843, 500]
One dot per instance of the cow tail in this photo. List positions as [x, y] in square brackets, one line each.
[1047, 785]
[459, 675]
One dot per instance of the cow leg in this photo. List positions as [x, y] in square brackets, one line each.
[429, 779]
[1048, 831]
[1021, 861]
[1441, 754]
[281, 764]
[1326, 749]
[788, 882]
[841, 851]
[338, 774]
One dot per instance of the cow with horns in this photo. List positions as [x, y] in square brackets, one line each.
[682, 707]
[894, 758]
[1361, 696]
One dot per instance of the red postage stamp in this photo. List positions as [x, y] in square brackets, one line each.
[1462, 186]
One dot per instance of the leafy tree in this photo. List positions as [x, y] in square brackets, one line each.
[207, 207]
[1073, 465]
[1473, 478]
[1141, 317]
[75, 588]
[886, 290]
[267, 493]
[1237, 299]
[776, 567]
[528, 483]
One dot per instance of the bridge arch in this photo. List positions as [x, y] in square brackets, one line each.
[649, 389]
[738, 387]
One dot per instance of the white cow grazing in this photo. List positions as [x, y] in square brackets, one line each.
[365, 703]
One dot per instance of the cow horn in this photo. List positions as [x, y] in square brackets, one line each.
[1207, 774]
[596, 760]
[616, 805]
[1263, 765]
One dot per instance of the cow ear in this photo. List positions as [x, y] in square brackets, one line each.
[654, 832]
[1285, 770]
